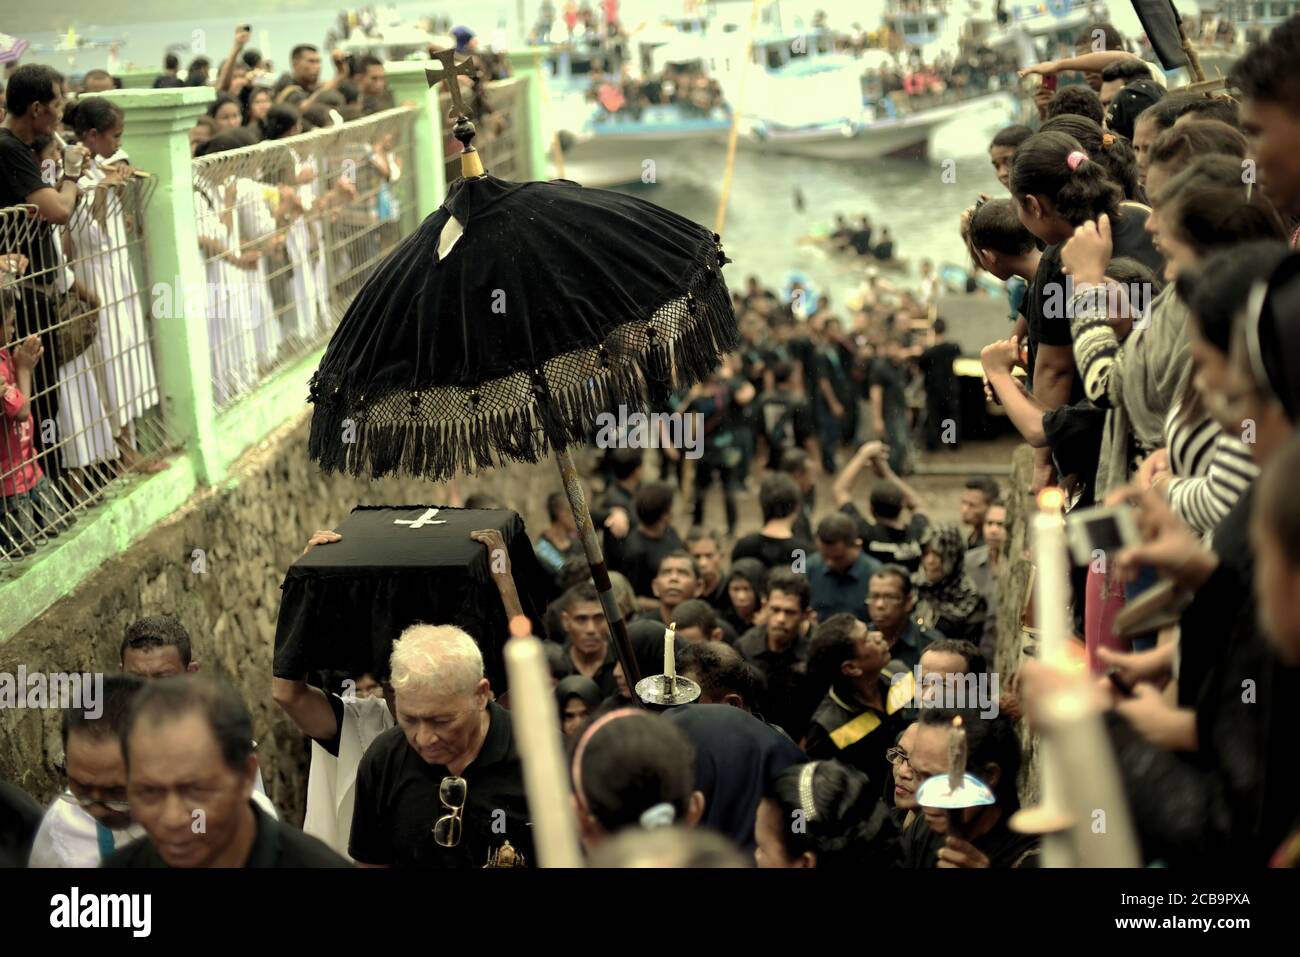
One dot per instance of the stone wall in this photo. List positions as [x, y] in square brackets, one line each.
[250, 529]
[1013, 580]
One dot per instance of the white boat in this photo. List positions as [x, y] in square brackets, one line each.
[604, 147]
[803, 98]
[900, 137]
[75, 54]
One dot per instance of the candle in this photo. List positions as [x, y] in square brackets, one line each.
[957, 758]
[1051, 595]
[670, 663]
[1052, 579]
[536, 724]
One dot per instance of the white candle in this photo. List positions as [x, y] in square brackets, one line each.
[670, 663]
[1051, 595]
[536, 724]
[1052, 580]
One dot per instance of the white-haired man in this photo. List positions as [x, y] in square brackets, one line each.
[443, 788]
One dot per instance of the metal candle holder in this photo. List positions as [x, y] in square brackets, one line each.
[667, 691]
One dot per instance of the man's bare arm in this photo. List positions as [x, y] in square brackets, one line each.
[307, 707]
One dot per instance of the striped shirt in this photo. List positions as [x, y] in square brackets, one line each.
[1211, 469]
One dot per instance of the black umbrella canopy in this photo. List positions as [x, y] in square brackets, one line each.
[556, 303]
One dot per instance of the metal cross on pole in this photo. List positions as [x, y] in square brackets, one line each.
[450, 72]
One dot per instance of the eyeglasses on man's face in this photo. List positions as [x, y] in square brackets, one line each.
[85, 803]
[896, 756]
[452, 792]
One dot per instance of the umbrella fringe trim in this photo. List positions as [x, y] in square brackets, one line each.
[343, 437]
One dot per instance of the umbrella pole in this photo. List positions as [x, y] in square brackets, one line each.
[599, 572]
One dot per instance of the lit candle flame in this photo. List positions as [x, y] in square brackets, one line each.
[1051, 499]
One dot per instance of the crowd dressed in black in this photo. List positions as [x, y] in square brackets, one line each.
[1159, 325]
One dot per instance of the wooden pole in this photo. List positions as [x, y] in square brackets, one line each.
[724, 196]
[1193, 61]
[599, 572]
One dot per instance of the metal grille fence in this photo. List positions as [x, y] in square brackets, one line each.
[81, 409]
[289, 230]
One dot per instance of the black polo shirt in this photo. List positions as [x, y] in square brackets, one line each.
[772, 552]
[276, 845]
[397, 803]
[786, 694]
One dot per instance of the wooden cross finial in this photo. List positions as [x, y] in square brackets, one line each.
[450, 71]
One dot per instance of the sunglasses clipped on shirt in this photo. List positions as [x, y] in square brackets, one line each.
[452, 792]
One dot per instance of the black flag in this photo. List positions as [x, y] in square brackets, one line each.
[1160, 22]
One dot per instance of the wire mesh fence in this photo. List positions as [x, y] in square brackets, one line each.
[289, 231]
[497, 111]
[82, 410]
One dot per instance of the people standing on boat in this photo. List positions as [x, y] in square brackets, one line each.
[545, 22]
[884, 250]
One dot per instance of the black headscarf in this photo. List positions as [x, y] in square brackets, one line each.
[752, 571]
[736, 755]
[577, 686]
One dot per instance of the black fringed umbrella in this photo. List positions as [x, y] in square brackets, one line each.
[507, 322]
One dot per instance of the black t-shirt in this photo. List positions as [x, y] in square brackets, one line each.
[936, 368]
[276, 845]
[20, 176]
[827, 366]
[897, 546]
[397, 803]
[892, 380]
[640, 557]
[772, 552]
[786, 421]
[1046, 304]
[803, 351]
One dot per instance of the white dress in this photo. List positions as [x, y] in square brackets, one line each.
[234, 354]
[253, 213]
[301, 321]
[86, 435]
[314, 191]
[122, 348]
